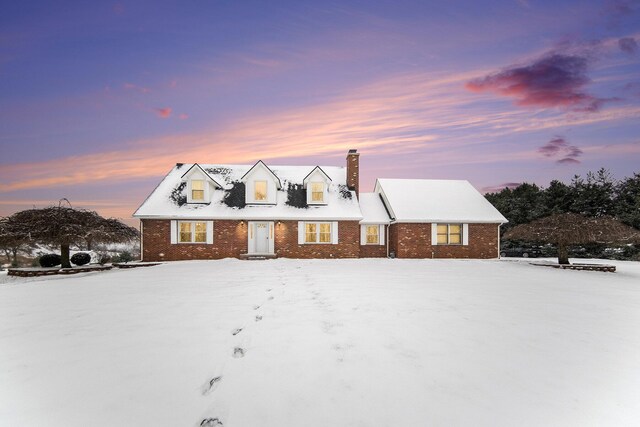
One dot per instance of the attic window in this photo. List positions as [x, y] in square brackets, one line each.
[260, 191]
[449, 234]
[317, 192]
[197, 189]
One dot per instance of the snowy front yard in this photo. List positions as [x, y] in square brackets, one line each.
[322, 343]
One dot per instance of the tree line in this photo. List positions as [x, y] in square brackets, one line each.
[596, 195]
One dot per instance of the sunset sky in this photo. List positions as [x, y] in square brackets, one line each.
[98, 100]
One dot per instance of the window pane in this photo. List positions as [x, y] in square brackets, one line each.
[317, 191]
[260, 188]
[201, 232]
[310, 233]
[442, 228]
[454, 239]
[185, 232]
[442, 239]
[325, 233]
[197, 189]
[454, 228]
[372, 234]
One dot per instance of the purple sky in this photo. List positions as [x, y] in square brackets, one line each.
[99, 100]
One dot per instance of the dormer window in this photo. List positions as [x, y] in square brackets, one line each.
[200, 186]
[197, 190]
[260, 191]
[317, 184]
[317, 192]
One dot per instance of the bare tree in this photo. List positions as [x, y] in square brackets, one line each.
[65, 226]
[12, 240]
[568, 229]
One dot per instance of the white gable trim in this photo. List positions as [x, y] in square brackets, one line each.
[308, 177]
[261, 164]
[196, 167]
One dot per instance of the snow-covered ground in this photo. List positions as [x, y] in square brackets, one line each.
[322, 343]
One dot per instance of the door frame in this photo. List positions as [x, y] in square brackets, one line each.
[251, 235]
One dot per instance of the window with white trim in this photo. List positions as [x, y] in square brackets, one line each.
[317, 192]
[197, 190]
[192, 232]
[317, 232]
[449, 234]
[260, 191]
[373, 234]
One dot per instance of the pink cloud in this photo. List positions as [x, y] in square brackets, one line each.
[559, 147]
[133, 87]
[500, 187]
[628, 45]
[163, 113]
[118, 8]
[554, 80]
[183, 116]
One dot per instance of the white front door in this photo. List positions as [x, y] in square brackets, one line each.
[261, 237]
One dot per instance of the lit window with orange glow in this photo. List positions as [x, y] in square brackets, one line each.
[260, 191]
[449, 234]
[197, 190]
[373, 237]
[317, 192]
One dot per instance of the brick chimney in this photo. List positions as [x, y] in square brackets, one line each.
[353, 171]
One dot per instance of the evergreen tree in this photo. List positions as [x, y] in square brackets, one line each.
[627, 201]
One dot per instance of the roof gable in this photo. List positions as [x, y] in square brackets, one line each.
[261, 164]
[196, 167]
[319, 170]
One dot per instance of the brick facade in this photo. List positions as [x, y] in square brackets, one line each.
[373, 251]
[411, 240]
[230, 240]
[407, 240]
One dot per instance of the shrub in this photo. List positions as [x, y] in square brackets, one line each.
[125, 256]
[50, 260]
[103, 258]
[81, 258]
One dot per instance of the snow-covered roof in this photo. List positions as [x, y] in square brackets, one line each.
[373, 210]
[168, 200]
[435, 200]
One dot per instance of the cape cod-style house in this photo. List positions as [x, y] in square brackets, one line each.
[201, 211]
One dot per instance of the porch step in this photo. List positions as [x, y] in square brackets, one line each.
[257, 256]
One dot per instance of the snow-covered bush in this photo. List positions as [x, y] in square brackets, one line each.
[81, 258]
[50, 260]
[124, 256]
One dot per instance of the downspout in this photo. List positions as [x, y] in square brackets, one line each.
[387, 241]
[141, 241]
[499, 225]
